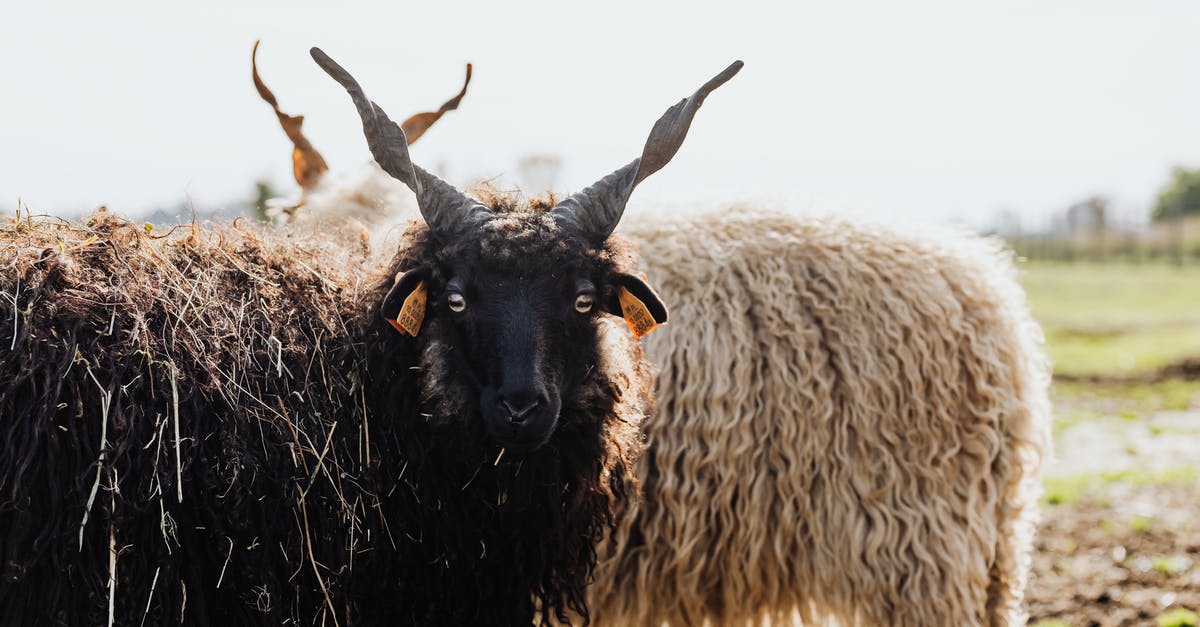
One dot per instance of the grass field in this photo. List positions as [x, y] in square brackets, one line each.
[1118, 541]
[1110, 332]
[1115, 320]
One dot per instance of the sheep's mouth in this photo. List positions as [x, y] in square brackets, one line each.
[520, 446]
[517, 444]
[525, 437]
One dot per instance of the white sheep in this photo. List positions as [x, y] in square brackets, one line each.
[849, 425]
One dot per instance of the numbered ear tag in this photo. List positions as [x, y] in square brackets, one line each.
[412, 313]
[635, 313]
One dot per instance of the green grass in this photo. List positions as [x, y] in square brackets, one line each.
[1071, 489]
[1179, 617]
[1077, 402]
[1127, 353]
[1108, 296]
[1168, 564]
[1065, 490]
[1066, 418]
[1172, 394]
[1140, 524]
[1115, 319]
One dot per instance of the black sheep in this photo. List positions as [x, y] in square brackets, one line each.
[218, 426]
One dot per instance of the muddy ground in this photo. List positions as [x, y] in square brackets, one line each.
[1124, 558]
[1119, 542]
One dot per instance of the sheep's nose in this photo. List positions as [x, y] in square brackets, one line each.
[518, 406]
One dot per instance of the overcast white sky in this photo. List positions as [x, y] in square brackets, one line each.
[923, 110]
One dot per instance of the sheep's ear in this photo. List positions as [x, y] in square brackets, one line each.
[404, 305]
[634, 300]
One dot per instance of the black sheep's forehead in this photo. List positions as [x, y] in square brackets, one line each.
[530, 243]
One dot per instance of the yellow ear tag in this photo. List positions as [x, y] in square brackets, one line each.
[412, 313]
[635, 313]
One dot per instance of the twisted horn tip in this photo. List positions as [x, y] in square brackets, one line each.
[723, 77]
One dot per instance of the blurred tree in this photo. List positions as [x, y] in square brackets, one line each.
[263, 191]
[1180, 197]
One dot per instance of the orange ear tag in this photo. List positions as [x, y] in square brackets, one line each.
[412, 313]
[635, 313]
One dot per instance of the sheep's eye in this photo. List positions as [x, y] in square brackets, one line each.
[583, 303]
[456, 302]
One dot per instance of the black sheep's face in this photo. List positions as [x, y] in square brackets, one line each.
[527, 340]
[519, 316]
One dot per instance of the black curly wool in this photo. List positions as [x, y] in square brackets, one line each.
[220, 429]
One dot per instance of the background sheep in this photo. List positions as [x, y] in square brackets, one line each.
[270, 449]
[360, 196]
